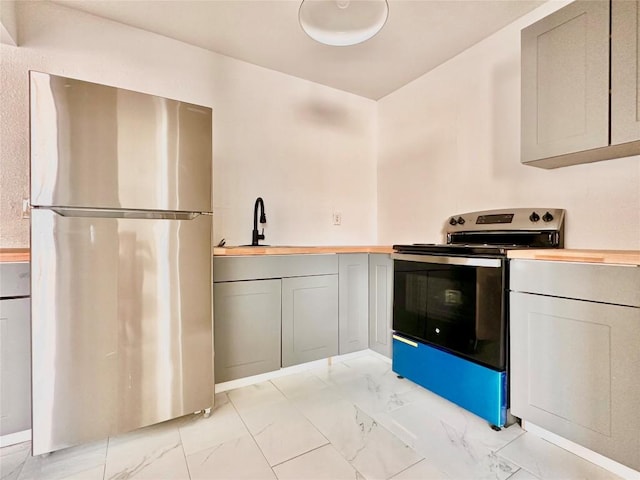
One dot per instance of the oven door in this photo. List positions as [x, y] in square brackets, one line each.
[454, 303]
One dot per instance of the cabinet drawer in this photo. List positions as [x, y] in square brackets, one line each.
[616, 284]
[229, 269]
[15, 279]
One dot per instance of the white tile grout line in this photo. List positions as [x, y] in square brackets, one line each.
[106, 456]
[337, 390]
[184, 454]
[307, 419]
[288, 371]
[21, 466]
[251, 435]
[423, 459]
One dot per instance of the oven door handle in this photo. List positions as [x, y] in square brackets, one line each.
[443, 259]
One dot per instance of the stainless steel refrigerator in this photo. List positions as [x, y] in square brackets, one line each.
[121, 260]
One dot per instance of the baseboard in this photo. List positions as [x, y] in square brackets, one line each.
[13, 438]
[380, 356]
[583, 452]
[303, 367]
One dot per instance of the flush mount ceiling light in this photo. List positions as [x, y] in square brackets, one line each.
[342, 22]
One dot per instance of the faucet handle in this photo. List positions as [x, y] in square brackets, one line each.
[261, 235]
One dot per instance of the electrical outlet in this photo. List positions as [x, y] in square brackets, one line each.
[337, 218]
[26, 212]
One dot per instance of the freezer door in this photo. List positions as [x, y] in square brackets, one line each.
[121, 324]
[103, 147]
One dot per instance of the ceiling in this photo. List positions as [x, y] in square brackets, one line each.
[418, 36]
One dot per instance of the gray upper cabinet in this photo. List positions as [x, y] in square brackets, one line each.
[15, 354]
[246, 328]
[566, 82]
[625, 71]
[353, 302]
[380, 303]
[309, 318]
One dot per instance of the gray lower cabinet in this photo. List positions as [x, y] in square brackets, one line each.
[15, 349]
[272, 311]
[309, 318]
[353, 302]
[246, 328]
[575, 356]
[380, 303]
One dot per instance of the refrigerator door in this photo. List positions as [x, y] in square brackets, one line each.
[121, 324]
[103, 147]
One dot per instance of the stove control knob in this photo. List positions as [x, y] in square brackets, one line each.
[547, 217]
[460, 221]
[534, 217]
[453, 221]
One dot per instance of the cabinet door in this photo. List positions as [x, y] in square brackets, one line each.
[309, 318]
[565, 82]
[353, 303]
[380, 303]
[625, 71]
[15, 366]
[246, 328]
[574, 371]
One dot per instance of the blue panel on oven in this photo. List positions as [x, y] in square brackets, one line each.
[475, 388]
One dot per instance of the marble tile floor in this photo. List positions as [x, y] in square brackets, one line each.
[350, 420]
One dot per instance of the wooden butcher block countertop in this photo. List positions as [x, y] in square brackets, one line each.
[23, 254]
[275, 250]
[621, 257]
[14, 255]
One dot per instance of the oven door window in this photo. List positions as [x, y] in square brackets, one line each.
[456, 308]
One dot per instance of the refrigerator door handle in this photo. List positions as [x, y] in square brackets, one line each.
[124, 213]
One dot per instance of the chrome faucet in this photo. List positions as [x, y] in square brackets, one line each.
[255, 237]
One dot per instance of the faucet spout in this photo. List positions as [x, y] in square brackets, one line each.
[255, 235]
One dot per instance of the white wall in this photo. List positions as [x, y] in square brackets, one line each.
[8, 23]
[305, 148]
[449, 142]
